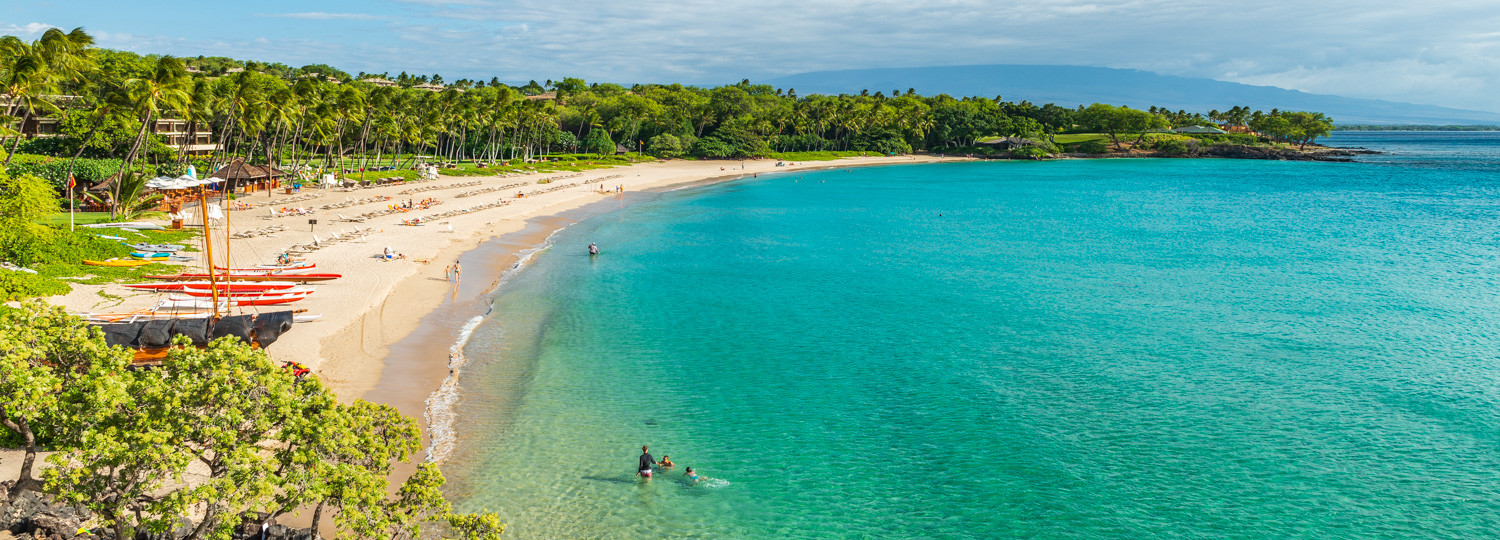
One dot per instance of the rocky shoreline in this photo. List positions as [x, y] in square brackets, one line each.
[36, 516]
[1235, 151]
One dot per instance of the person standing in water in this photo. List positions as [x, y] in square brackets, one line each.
[457, 272]
[644, 471]
[593, 249]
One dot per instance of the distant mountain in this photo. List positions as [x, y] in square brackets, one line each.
[1076, 85]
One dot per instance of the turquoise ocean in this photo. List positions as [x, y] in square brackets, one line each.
[1080, 348]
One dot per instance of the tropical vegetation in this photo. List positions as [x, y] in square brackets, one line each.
[263, 441]
[320, 116]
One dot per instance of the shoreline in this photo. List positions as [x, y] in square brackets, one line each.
[411, 371]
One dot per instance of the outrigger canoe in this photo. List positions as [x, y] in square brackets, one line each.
[180, 285]
[115, 262]
[205, 292]
[299, 278]
[150, 248]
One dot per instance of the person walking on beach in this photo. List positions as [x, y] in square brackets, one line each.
[457, 272]
[448, 274]
[644, 471]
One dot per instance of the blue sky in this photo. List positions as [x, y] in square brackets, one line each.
[1438, 52]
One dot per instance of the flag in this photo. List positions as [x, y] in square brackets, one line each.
[71, 182]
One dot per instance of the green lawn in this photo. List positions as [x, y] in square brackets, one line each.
[1070, 138]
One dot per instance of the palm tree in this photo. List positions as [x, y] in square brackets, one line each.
[129, 199]
[165, 89]
[30, 71]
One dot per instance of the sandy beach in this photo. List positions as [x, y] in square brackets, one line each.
[377, 304]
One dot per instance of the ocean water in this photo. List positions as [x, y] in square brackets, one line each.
[1086, 348]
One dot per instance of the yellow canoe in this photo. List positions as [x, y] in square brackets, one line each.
[113, 262]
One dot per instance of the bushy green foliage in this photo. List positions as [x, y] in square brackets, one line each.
[665, 145]
[22, 285]
[55, 170]
[599, 142]
[1091, 146]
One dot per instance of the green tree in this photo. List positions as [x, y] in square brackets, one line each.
[598, 142]
[130, 198]
[665, 145]
[1115, 121]
[24, 199]
[1305, 127]
[166, 88]
[56, 376]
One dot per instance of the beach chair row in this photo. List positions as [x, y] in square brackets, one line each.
[435, 188]
[357, 235]
[482, 191]
[263, 231]
[457, 212]
[603, 178]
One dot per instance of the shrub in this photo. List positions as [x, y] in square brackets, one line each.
[19, 285]
[666, 145]
[1092, 146]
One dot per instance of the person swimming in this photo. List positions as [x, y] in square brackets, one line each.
[594, 250]
[665, 463]
[691, 474]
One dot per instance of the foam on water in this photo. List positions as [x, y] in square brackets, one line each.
[441, 418]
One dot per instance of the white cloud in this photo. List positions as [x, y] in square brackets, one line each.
[32, 29]
[321, 16]
[1439, 51]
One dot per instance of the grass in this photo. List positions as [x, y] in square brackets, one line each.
[1071, 138]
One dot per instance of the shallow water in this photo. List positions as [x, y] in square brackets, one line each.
[1120, 348]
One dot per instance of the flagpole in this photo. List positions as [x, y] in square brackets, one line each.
[72, 201]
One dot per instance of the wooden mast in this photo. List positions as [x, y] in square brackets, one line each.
[208, 248]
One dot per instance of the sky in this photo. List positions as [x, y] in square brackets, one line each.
[1434, 52]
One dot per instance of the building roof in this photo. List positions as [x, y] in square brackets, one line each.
[1199, 129]
[239, 170]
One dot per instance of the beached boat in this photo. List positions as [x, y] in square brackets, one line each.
[299, 278]
[136, 225]
[115, 262]
[151, 256]
[206, 292]
[151, 335]
[231, 286]
[152, 248]
[298, 315]
[178, 301]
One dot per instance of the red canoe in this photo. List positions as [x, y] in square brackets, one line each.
[231, 286]
[205, 292]
[300, 278]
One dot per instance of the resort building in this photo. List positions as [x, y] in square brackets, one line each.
[174, 133]
[181, 136]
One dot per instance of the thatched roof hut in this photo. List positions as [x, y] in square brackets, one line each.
[239, 170]
[238, 173]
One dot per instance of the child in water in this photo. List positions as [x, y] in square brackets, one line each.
[665, 463]
[691, 474]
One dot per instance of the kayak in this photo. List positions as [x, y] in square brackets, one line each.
[137, 225]
[148, 248]
[177, 286]
[160, 255]
[115, 262]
